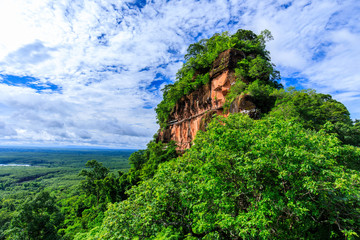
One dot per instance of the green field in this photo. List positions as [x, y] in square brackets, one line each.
[64, 157]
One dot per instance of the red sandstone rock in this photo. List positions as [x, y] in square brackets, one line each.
[194, 111]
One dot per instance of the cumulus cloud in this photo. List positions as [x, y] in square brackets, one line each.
[33, 53]
[96, 67]
[6, 131]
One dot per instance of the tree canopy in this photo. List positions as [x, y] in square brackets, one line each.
[38, 218]
[246, 179]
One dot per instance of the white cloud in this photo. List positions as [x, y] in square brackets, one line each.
[94, 51]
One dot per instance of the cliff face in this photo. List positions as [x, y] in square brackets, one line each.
[194, 111]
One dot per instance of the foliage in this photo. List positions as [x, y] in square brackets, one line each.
[145, 163]
[38, 218]
[202, 54]
[348, 133]
[7, 212]
[259, 68]
[85, 210]
[93, 184]
[81, 213]
[56, 171]
[314, 110]
[246, 179]
[261, 94]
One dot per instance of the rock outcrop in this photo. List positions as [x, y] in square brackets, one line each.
[194, 111]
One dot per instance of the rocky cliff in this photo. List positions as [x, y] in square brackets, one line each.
[194, 111]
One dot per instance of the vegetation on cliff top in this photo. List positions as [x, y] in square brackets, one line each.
[200, 57]
[309, 107]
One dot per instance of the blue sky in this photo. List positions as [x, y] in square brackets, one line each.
[89, 73]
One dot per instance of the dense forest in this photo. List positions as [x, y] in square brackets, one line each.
[292, 173]
[46, 183]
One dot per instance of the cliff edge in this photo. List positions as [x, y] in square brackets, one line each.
[194, 111]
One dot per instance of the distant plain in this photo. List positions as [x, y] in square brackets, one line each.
[25, 170]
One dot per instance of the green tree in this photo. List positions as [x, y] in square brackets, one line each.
[246, 179]
[85, 210]
[93, 183]
[144, 164]
[314, 110]
[7, 212]
[38, 218]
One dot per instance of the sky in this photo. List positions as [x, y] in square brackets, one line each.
[90, 72]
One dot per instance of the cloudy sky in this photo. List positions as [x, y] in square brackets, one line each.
[89, 72]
